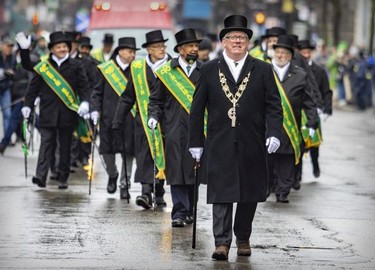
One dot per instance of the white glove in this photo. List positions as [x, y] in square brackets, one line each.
[311, 132]
[273, 144]
[83, 108]
[23, 41]
[95, 117]
[37, 101]
[26, 112]
[196, 152]
[320, 111]
[152, 123]
[87, 116]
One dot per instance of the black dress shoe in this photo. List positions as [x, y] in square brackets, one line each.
[316, 172]
[160, 202]
[296, 185]
[178, 223]
[112, 184]
[282, 199]
[39, 182]
[143, 201]
[2, 148]
[124, 193]
[63, 185]
[189, 219]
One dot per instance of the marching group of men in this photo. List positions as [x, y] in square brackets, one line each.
[246, 117]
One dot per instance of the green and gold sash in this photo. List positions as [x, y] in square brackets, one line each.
[179, 85]
[142, 91]
[316, 140]
[289, 122]
[115, 78]
[98, 54]
[257, 53]
[58, 84]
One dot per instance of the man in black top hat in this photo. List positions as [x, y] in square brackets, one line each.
[306, 48]
[105, 53]
[58, 105]
[170, 106]
[205, 47]
[104, 101]
[244, 109]
[297, 97]
[272, 35]
[156, 57]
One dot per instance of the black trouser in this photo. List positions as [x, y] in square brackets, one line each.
[222, 222]
[182, 198]
[285, 170]
[47, 146]
[148, 189]
[314, 154]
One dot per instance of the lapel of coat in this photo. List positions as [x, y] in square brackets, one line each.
[289, 73]
[247, 67]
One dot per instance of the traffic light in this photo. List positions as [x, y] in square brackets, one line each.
[260, 17]
[35, 19]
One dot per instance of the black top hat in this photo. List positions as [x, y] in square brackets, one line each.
[294, 38]
[59, 37]
[126, 42]
[154, 37]
[185, 36]
[305, 44]
[286, 42]
[235, 23]
[74, 36]
[85, 42]
[212, 36]
[108, 38]
[275, 32]
[206, 44]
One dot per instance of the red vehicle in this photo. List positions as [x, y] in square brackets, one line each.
[130, 18]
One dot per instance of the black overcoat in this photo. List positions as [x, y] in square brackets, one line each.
[174, 125]
[145, 163]
[297, 89]
[236, 156]
[53, 112]
[104, 100]
[321, 78]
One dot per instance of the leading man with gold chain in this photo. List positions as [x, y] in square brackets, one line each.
[244, 123]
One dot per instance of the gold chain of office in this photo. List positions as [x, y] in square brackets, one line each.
[233, 98]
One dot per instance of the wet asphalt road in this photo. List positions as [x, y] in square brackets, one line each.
[328, 224]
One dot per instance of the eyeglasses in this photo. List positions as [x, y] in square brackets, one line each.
[234, 38]
[158, 46]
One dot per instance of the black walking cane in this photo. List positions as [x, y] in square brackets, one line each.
[92, 155]
[154, 183]
[196, 189]
[124, 164]
[25, 148]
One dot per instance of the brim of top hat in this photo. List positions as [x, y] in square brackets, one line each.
[123, 47]
[86, 45]
[225, 31]
[145, 45]
[175, 49]
[291, 49]
[306, 47]
[68, 42]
